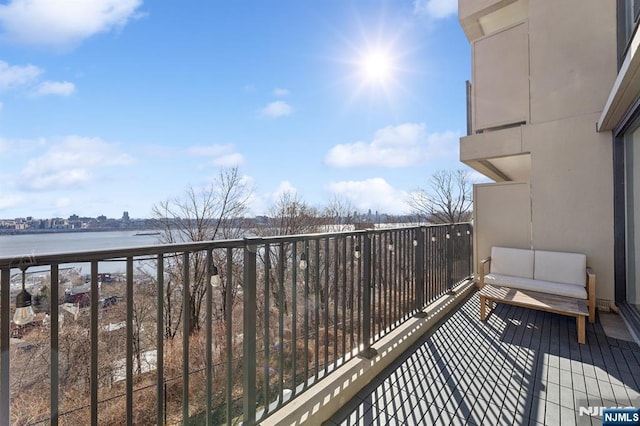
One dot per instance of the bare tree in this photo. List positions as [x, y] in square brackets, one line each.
[340, 213]
[209, 213]
[448, 199]
[290, 215]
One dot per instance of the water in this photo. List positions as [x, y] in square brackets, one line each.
[26, 245]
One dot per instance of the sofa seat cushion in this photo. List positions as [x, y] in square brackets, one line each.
[568, 268]
[510, 261]
[549, 287]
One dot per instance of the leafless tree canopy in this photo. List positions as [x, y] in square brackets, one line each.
[340, 213]
[447, 200]
[213, 212]
[290, 215]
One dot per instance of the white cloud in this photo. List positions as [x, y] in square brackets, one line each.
[61, 23]
[16, 76]
[396, 146]
[63, 202]
[281, 92]
[435, 9]
[70, 163]
[11, 200]
[284, 187]
[375, 194]
[277, 109]
[60, 88]
[220, 155]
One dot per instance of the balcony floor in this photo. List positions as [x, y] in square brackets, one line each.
[519, 367]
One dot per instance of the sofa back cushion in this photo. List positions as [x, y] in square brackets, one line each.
[511, 261]
[568, 268]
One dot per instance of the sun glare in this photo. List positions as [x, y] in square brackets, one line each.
[377, 67]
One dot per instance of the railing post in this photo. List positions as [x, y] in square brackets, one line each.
[186, 329]
[469, 106]
[367, 351]
[419, 273]
[249, 338]
[5, 392]
[447, 246]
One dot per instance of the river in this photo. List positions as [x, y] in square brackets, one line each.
[25, 245]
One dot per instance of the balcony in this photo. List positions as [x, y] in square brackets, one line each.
[221, 332]
[519, 367]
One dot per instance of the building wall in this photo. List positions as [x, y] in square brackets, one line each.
[571, 192]
[573, 57]
[506, 226]
[570, 48]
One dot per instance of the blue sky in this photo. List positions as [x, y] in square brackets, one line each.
[114, 105]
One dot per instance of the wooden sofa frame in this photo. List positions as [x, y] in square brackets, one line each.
[563, 305]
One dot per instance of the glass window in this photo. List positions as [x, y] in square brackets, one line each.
[628, 12]
[632, 196]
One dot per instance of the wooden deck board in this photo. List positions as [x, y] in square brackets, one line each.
[472, 365]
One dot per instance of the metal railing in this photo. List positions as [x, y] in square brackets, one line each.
[218, 331]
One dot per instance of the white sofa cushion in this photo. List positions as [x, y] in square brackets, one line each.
[520, 283]
[568, 268]
[511, 261]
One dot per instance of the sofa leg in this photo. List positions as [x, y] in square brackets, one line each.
[483, 312]
[581, 329]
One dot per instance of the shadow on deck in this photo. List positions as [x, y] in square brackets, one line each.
[519, 367]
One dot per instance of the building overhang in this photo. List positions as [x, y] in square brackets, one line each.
[481, 17]
[625, 89]
[499, 154]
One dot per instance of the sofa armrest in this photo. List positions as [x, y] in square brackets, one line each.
[483, 262]
[591, 294]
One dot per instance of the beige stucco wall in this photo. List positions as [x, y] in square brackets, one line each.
[500, 223]
[573, 57]
[572, 192]
[501, 78]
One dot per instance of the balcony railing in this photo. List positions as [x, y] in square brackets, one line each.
[211, 332]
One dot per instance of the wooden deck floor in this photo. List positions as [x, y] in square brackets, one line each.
[520, 367]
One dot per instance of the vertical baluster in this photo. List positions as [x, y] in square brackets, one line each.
[306, 316]
[294, 317]
[160, 342]
[53, 303]
[5, 392]
[208, 338]
[249, 309]
[419, 273]
[353, 301]
[281, 303]
[324, 303]
[186, 299]
[228, 304]
[94, 343]
[367, 351]
[336, 284]
[265, 343]
[343, 318]
[129, 362]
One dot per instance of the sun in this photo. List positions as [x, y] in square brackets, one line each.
[377, 67]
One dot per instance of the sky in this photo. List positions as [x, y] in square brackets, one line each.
[116, 105]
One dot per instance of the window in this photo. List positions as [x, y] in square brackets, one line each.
[628, 14]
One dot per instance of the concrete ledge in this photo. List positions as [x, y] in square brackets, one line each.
[321, 401]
